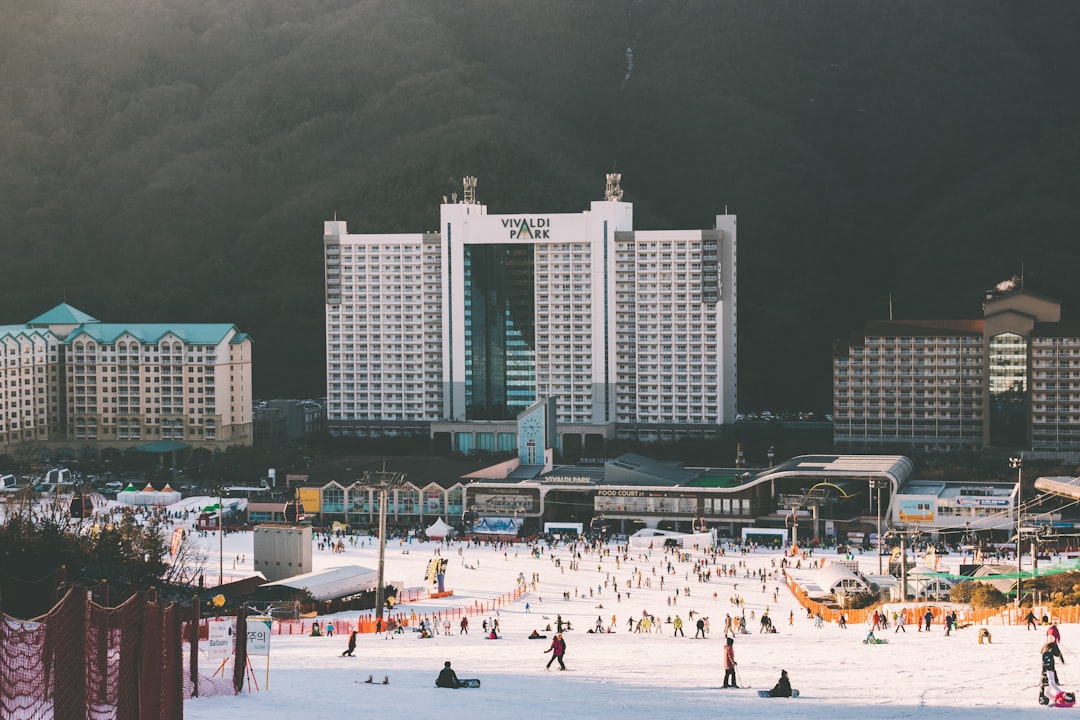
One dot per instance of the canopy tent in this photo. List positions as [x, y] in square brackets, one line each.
[439, 530]
[148, 496]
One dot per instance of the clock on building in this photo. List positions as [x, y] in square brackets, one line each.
[531, 425]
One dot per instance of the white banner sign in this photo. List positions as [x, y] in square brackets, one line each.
[258, 636]
[222, 639]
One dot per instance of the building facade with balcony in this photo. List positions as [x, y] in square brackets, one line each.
[1010, 380]
[68, 378]
[630, 330]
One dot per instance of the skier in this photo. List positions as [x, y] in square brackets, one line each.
[1030, 620]
[678, 627]
[700, 628]
[729, 664]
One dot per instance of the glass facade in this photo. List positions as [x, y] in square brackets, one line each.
[500, 332]
[1008, 373]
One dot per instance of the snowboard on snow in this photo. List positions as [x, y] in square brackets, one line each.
[467, 683]
[765, 693]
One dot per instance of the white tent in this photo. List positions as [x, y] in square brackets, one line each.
[439, 530]
[148, 496]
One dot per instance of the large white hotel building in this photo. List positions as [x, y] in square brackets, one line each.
[457, 331]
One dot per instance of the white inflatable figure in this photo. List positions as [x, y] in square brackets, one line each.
[1054, 694]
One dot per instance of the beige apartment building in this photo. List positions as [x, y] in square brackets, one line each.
[68, 379]
[1010, 380]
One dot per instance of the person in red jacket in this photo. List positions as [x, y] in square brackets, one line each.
[729, 664]
[557, 650]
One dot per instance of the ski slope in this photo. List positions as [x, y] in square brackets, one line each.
[626, 675]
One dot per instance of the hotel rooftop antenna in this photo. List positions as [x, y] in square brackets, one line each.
[613, 192]
[469, 184]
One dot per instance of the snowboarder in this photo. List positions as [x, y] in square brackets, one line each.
[729, 664]
[557, 650]
[1053, 634]
[678, 627]
[447, 677]
[352, 645]
[1031, 621]
[782, 687]
[700, 628]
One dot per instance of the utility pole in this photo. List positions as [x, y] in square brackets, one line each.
[221, 538]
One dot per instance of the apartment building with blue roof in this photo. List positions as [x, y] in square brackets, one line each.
[67, 378]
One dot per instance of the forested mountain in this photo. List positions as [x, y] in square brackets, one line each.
[174, 159]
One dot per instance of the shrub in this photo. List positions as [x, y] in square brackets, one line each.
[987, 596]
[962, 591]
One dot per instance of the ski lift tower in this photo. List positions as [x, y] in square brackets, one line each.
[817, 497]
[382, 481]
[792, 503]
[909, 535]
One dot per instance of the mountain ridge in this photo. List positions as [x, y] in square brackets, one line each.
[175, 159]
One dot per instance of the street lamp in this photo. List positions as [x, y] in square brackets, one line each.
[1017, 463]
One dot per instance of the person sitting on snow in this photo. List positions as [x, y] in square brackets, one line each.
[782, 687]
[447, 677]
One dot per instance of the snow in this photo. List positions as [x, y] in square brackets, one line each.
[625, 675]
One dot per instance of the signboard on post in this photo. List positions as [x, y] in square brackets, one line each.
[222, 639]
[258, 636]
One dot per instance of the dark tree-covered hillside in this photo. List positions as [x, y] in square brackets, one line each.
[174, 159]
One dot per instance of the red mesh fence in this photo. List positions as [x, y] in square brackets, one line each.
[83, 661]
